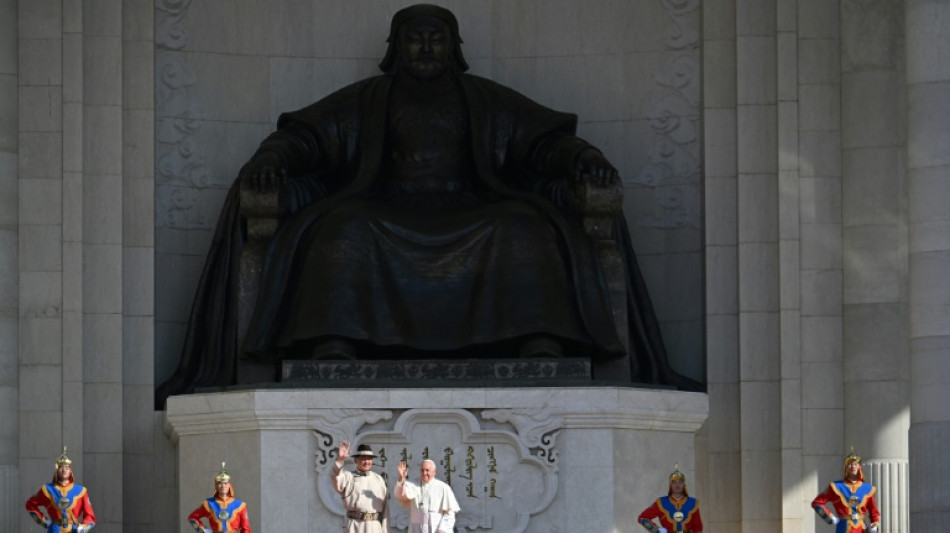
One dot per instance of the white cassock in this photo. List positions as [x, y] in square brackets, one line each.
[432, 506]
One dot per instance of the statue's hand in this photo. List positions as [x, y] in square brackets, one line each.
[592, 166]
[266, 173]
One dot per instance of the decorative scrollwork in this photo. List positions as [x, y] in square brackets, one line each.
[673, 170]
[547, 450]
[336, 425]
[536, 427]
[325, 451]
[181, 169]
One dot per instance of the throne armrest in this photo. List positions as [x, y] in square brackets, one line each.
[261, 211]
[598, 209]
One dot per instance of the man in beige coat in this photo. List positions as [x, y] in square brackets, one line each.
[364, 492]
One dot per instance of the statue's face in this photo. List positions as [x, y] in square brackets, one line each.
[425, 45]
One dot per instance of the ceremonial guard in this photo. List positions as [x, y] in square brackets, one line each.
[364, 493]
[224, 512]
[676, 511]
[855, 510]
[66, 502]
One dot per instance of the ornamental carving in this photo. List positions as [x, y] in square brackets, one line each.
[181, 171]
[673, 171]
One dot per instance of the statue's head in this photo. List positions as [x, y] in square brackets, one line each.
[424, 40]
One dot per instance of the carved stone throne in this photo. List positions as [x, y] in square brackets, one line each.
[594, 208]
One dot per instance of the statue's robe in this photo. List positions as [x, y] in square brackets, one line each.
[521, 154]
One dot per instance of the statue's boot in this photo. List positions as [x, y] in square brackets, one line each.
[334, 349]
[541, 346]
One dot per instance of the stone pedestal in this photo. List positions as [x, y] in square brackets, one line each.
[519, 460]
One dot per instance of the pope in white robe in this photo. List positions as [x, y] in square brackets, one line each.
[431, 503]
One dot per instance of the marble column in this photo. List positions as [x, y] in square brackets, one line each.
[790, 236]
[9, 389]
[722, 506]
[96, 294]
[759, 267]
[40, 272]
[874, 235]
[928, 168]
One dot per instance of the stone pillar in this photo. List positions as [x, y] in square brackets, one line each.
[722, 505]
[101, 296]
[820, 261]
[140, 422]
[928, 164]
[40, 249]
[874, 241]
[9, 390]
[789, 67]
[758, 266]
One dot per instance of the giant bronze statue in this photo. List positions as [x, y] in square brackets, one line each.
[423, 213]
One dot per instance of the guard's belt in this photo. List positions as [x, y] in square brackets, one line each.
[857, 516]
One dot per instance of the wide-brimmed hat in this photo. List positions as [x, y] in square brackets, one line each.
[363, 450]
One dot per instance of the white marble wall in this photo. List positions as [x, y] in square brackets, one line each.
[802, 269]
[84, 179]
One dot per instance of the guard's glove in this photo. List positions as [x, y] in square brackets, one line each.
[873, 528]
[48, 522]
[81, 528]
[834, 520]
[206, 530]
[661, 530]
